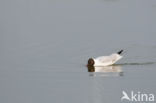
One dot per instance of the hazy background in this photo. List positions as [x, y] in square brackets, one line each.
[45, 44]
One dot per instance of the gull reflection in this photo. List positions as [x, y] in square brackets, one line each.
[105, 71]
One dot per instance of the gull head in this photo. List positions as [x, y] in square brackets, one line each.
[90, 62]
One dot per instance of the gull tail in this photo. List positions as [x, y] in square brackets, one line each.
[120, 52]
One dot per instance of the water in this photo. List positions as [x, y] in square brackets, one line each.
[44, 47]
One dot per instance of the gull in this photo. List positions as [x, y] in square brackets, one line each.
[105, 60]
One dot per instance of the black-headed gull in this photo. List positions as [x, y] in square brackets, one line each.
[105, 60]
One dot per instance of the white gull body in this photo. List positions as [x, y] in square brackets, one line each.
[107, 60]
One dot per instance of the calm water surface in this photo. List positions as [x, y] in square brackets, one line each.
[44, 47]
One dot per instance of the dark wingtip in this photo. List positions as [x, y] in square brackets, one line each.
[120, 52]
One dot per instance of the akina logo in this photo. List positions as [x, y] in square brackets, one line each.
[137, 97]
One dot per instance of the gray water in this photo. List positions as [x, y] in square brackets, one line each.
[45, 45]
